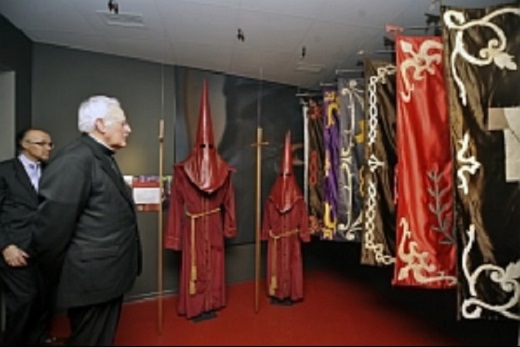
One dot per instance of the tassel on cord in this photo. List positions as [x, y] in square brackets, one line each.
[273, 285]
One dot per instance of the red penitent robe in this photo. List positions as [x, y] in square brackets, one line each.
[198, 222]
[284, 232]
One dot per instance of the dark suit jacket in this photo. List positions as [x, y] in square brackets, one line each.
[85, 232]
[18, 202]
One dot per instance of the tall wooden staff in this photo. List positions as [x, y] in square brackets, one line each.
[258, 144]
[159, 232]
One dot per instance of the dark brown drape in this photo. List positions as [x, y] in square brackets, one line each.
[378, 242]
[482, 55]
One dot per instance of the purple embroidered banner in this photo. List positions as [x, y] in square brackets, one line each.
[331, 143]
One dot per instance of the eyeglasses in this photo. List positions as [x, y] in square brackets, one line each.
[41, 143]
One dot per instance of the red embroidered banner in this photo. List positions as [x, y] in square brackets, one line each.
[425, 238]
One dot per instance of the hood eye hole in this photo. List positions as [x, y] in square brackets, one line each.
[205, 145]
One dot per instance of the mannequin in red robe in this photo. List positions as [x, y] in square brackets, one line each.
[201, 214]
[285, 226]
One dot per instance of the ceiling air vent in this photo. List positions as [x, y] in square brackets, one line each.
[306, 67]
[125, 19]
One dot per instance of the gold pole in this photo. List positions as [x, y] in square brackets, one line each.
[159, 232]
[258, 144]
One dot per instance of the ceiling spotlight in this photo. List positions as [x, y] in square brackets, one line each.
[240, 35]
[303, 53]
[432, 19]
[113, 6]
[388, 42]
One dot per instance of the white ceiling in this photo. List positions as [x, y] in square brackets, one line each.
[203, 33]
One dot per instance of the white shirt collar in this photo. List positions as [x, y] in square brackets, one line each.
[26, 161]
[100, 142]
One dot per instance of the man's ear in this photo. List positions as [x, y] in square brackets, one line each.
[100, 125]
[23, 144]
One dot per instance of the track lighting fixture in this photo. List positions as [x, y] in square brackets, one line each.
[388, 42]
[240, 35]
[113, 6]
[432, 19]
[303, 53]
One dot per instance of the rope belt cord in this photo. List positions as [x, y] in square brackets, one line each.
[193, 269]
[273, 283]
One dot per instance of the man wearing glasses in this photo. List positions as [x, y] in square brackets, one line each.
[28, 308]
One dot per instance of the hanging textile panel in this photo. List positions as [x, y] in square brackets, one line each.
[425, 237]
[378, 241]
[351, 158]
[482, 54]
[305, 110]
[331, 143]
[314, 170]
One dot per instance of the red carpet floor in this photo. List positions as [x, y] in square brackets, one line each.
[336, 312]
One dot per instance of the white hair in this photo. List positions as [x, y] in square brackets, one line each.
[94, 108]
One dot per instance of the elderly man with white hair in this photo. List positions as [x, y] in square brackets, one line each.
[86, 237]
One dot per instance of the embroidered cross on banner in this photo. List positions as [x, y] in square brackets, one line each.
[507, 119]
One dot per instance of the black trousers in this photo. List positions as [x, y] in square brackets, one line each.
[94, 325]
[29, 306]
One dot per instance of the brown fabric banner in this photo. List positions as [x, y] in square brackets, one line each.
[315, 159]
[425, 237]
[482, 52]
[378, 242]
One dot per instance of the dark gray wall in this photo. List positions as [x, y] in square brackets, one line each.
[16, 55]
[51, 81]
[63, 77]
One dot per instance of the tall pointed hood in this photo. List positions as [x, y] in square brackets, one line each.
[204, 166]
[205, 126]
[286, 165]
[286, 192]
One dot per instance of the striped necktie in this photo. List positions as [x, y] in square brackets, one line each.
[34, 174]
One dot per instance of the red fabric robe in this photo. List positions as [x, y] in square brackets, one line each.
[284, 232]
[197, 225]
